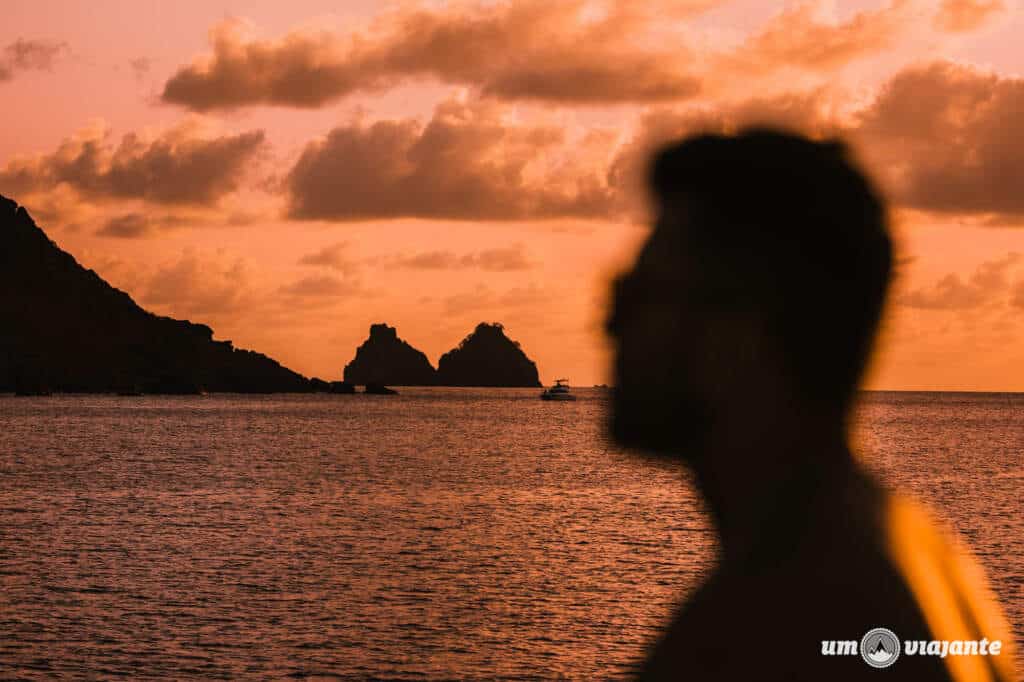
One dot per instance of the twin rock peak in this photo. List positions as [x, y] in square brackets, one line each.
[486, 357]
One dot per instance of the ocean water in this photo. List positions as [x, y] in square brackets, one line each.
[441, 533]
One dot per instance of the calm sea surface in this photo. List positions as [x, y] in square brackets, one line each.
[451, 533]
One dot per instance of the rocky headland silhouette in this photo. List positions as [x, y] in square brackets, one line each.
[67, 330]
[487, 357]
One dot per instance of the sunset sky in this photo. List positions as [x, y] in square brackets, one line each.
[291, 172]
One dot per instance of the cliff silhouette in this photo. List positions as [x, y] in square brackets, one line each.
[65, 329]
[385, 359]
[487, 357]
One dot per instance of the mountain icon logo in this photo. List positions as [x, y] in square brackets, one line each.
[880, 648]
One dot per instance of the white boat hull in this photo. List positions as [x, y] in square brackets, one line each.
[557, 396]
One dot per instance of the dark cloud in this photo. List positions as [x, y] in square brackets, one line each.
[959, 16]
[554, 51]
[127, 226]
[939, 137]
[29, 55]
[466, 163]
[570, 52]
[946, 138]
[143, 225]
[988, 284]
[175, 168]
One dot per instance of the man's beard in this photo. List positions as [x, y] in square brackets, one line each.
[667, 424]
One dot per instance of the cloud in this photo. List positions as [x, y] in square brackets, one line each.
[798, 37]
[300, 70]
[483, 297]
[140, 67]
[334, 256]
[959, 16]
[809, 113]
[493, 260]
[127, 226]
[319, 286]
[177, 167]
[466, 163]
[986, 285]
[569, 51]
[500, 259]
[939, 137]
[197, 285]
[29, 55]
[574, 52]
[1018, 295]
[946, 138]
[137, 225]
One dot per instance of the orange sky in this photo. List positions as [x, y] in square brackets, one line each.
[289, 173]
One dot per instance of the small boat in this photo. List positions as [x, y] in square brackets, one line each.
[560, 391]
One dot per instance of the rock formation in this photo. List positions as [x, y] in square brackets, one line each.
[487, 358]
[65, 329]
[388, 360]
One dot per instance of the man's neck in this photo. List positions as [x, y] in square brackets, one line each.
[760, 484]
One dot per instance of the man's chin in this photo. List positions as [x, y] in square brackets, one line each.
[677, 432]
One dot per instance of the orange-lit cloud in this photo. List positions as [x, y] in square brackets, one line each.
[334, 256]
[494, 260]
[532, 50]
[317, 286]
[177, 167]
[941, 137]
[809, 113]
[482, 297]
[199, 285]
[140, 67]
[552, 51]
[1018, 294]
[987, 285]
[577, 52]
[957, 16]
[466, 163]
[29, 55]
[946, 136]
[130, 226]
[798, 37]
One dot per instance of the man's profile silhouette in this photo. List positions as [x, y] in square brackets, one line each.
[741, 334]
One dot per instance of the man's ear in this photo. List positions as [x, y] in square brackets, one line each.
[743, 353]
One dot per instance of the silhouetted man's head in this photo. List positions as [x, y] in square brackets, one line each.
[761, 284]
